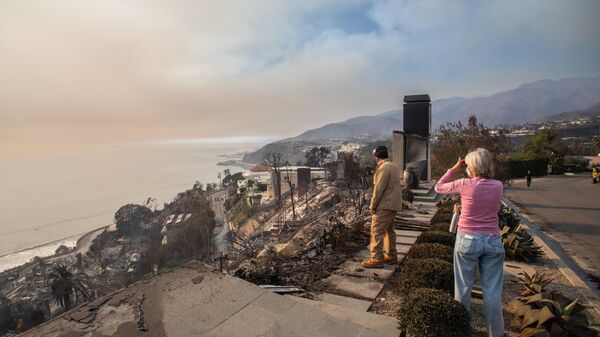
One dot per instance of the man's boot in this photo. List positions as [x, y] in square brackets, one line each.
[390, 259]
[372, 263]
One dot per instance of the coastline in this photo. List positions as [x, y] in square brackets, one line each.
[22, 259]
[79, 241]
[236, 163]
[236, 160]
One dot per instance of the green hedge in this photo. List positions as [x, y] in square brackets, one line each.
[440, 227]
[433, 313]
[517, 168]
[444, 238]
[431, 251]
[426, 273]
[441, 217]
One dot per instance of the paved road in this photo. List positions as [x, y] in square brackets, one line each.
[222, 240]
[569, 209]
[216, 202]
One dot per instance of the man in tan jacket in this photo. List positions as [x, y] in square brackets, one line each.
[385, 203]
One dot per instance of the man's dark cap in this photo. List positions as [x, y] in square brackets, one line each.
[381, 152]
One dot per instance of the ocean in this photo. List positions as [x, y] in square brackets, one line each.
[52, 195]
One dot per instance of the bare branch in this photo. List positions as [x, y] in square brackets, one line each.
[244, 245]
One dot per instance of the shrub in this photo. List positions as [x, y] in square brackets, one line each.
[431, 251]
[446, 205]
[444, 238]
[440, 227]
[430, 312]
[441, 217]
[448, 202]
[455, 139]
[426, 273]
[517, 168]
[239, 212]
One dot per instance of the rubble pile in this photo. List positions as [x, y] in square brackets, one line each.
[303, 264]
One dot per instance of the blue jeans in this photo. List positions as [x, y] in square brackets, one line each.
[486, 252]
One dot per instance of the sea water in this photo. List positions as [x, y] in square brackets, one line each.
[52, 195]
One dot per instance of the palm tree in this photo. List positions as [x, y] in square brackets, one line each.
[64, 282]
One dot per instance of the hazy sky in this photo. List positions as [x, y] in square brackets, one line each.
[73, 70]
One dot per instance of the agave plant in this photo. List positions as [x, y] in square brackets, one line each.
[550, 314]
[534, 284]
[519, 245]
[508, 217]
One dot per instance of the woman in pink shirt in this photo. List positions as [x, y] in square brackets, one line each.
[478, 242]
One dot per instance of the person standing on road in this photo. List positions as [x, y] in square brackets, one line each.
[385, 204]
[478, 242]
[595, 175]
[528, 178]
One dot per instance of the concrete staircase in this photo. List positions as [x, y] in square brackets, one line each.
[426, 193]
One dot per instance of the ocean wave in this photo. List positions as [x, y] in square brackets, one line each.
[16, 259]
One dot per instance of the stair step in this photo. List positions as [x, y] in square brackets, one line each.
[355, 269]
[346, 302]
[380, 325]
[357, 287]
[420, 191]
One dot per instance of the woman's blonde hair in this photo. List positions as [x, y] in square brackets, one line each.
[481, 163]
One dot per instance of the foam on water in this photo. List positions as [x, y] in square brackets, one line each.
[13, 260]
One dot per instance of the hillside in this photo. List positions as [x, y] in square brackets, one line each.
[366, 126]
[592, 111]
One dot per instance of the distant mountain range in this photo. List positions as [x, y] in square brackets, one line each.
[592, 111]
[527, 103]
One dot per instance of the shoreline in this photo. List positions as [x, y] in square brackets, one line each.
[235, 160]
[42, 245]
[76, 247]
[236, 163]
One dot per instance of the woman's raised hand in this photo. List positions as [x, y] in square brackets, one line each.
[457, 168]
